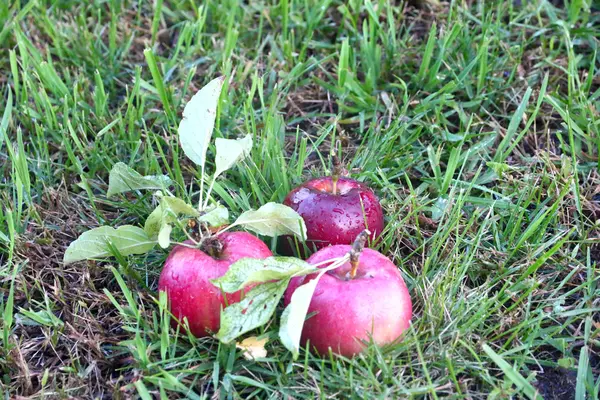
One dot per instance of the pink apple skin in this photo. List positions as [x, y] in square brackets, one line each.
[186, 279]
[376, 302]
[335, 218]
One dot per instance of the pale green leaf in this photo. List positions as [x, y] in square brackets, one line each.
[216, 215]
[273, 219]
[167, 212]
[292, 318]
[122, 178]
[196, 127]
[250, 270]
[154, 221]
[230, 152]
[253, 311]
[164, 236]
[94, 243]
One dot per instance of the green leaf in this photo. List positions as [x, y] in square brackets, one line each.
[6, 118]
[167, 212]
[251, 270]
[93, 244]
[273, 219]
[216, 215]
[292, 319]
[253, 311]
[41, 317]
[512, 374]
[164, 236]
[196, 127]
[583, 371]
[230, 152]
[124, 179]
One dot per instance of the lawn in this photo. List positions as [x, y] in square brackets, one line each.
[476, 123]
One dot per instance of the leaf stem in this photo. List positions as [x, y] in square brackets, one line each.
[209, 191]
[200, 208]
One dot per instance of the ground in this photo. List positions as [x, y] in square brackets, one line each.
[476, 123]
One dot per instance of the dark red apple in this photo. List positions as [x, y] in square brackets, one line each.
[335, 216]
[186, 279]
[374, 304]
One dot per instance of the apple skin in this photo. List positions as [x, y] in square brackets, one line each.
[186, 279]
[375, 304]
[334, 218]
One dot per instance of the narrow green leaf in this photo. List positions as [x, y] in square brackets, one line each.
[513, 375]
[273, 219]
[230, 152]
[6, 118]
[428, 51]
[253, 311]
[196, 127]
[511, 131]
[250, 270]
[93, 244]
[122, 178]
[142, 390]
[582, 373]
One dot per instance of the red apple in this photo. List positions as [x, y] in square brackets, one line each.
[374, 304]
[186, 279]
[335, 217]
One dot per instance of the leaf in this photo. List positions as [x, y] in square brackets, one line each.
[583, 371]
[93, 244]
[512, 374]
[6, 118]
[122, 178]
[196, 127]
[167, 212]
[215, 216]
[230, 152]
[250, 270]
[273, 219]
[253, 311]
[41, 317]
[164, 236]
[253, 347]
[292, 318]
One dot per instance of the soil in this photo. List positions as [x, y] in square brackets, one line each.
[556, 383]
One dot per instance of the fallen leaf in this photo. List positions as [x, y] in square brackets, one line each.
[253, 347]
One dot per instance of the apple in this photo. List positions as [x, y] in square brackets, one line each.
[188, 271]
[335, 211]
[362, 299]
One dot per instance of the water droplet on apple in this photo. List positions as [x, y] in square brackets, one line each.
[338, 210]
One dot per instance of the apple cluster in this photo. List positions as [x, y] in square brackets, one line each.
[222, 281]
[362, 300]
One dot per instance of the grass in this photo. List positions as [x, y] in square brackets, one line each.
[477, 124]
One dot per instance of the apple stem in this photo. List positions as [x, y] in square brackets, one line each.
[336, 172]
[212, 246]
[357, 248]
